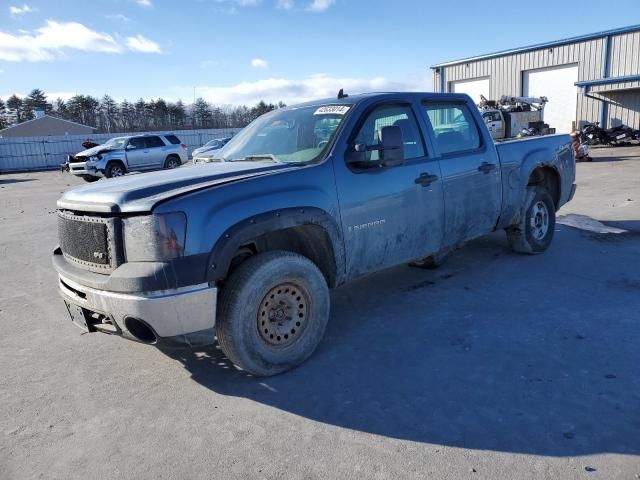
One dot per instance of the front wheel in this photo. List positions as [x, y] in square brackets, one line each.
[273, 312]
[114, 169]
[534, 232]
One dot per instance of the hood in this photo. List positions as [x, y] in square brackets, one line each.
[142, 191]
[205, 149]
[94, 151]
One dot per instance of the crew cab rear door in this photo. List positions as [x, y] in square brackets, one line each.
[389, 214]
[470, 168]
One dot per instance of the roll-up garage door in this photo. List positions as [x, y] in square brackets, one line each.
[474, 88]
[558, 85]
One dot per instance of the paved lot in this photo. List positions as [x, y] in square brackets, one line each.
[494, 366]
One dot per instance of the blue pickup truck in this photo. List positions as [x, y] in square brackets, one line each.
[304, 199]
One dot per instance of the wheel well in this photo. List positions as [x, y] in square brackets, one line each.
[311, 241]
[549, 179]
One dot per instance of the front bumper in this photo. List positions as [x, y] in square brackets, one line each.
[83, 168]
[179, 317]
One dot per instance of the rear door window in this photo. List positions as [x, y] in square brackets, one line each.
[154, 142]
[454, 128]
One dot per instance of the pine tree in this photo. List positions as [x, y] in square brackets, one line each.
[36, 100]
[15, 105]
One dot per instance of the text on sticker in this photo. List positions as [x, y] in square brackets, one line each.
[332, 109]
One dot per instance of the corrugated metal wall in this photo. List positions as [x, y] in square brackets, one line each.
[39, 153]
[506, 72]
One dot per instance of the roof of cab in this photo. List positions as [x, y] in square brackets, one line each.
[355, 99]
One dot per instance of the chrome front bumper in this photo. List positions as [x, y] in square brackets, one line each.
[81, 168]
[183, 316]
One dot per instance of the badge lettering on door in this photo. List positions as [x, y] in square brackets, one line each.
[366, 226]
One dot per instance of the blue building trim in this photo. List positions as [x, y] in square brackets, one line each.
[608, 81]
[539, 46]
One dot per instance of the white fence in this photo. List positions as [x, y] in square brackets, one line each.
[43, 153]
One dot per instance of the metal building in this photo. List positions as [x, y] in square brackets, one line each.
[590, 78]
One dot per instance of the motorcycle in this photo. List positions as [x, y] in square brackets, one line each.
[593, 134]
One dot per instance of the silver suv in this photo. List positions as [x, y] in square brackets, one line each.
[125, 154]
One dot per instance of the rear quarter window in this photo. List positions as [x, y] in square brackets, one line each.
[172, 139]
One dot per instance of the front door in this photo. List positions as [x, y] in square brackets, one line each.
[494, 123]
[392, 214]
[470, 170]
[137, 153]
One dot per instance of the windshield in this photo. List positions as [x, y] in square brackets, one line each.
[293, 135]
[212, 143]
[116, 142]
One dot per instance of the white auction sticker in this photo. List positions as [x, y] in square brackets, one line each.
[332, 109]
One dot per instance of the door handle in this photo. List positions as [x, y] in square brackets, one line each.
[425, 179]
[486, 167]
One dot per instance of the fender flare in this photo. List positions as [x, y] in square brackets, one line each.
[227, 245]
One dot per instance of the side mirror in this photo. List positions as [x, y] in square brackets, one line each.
[392, 146]
[390, 150]
[131, 147]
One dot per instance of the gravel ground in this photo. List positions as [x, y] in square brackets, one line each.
[496, 365]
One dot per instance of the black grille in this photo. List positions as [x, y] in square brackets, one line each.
[85, 239]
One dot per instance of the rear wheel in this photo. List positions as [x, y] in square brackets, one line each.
[273, 312]
[534, 232]
[172, 162]
[114, 169]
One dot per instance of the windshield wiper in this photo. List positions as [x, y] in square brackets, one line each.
[258, 157]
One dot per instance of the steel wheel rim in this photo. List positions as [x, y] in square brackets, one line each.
[116, 172]
[283, 315]
[539, 220]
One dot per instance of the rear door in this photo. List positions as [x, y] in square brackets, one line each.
[470, 171]
[389, 214]
[157, 152]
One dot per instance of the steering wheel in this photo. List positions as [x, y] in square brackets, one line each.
[323, 143]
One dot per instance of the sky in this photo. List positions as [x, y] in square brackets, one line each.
[242, 51]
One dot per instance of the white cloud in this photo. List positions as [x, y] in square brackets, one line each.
[140, 43]
[320, 5]
[144, 3]
[118, 16]
[285, 4]
[52, 40]
[259, 63]
[22, 10]
[296, 91]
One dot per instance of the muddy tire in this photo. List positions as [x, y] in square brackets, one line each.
[114, 169]
[534, 232]
[272, 312]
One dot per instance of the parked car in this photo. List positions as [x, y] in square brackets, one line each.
[210, 146]
[306, 198]
[125, 154]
